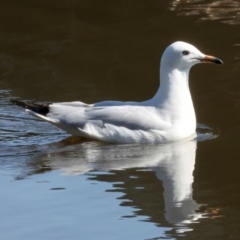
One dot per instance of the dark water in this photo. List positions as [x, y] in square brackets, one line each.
[55, 187]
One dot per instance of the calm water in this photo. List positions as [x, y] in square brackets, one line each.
[56, 187]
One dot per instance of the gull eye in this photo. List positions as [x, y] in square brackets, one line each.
[185, 52]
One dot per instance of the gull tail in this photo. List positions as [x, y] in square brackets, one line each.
[40, 111]
[40, 108]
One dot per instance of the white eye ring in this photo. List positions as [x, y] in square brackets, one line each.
[185, 52]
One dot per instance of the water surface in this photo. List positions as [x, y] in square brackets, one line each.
[54, 186]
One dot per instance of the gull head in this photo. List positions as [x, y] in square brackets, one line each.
[182, 55]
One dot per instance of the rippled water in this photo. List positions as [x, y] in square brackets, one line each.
[55, 186]
[226, 11]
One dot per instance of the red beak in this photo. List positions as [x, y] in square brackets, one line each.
[211, 59]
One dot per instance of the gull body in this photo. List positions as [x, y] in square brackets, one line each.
[168, 116]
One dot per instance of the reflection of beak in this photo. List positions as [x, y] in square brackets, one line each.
[211, 59]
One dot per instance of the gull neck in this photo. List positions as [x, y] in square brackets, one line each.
[174, 86]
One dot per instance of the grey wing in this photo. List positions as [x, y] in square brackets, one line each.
[131, 117]
[128, 116]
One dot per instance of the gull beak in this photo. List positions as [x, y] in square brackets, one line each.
[211, 59]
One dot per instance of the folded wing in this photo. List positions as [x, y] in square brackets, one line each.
[107, 123]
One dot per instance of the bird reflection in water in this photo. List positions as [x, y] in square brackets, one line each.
[169, 165]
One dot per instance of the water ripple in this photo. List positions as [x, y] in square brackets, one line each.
[227, 11]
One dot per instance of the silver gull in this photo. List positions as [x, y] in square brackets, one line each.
[168, 116]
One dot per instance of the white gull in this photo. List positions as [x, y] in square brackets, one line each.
[168, 116]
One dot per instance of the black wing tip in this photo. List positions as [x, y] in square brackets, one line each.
[41, 108]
